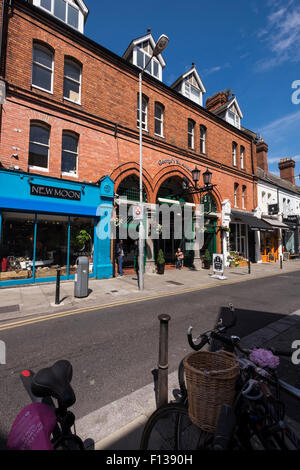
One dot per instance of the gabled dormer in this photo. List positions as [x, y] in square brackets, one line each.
[225, 105]
[72, 12]
[140, 51]
[190, 85]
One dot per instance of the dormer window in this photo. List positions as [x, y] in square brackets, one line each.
[144, 53]
[190, 85]
[191, 90]
[233, 119]
[68, 11]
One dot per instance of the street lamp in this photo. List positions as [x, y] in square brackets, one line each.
[189, 189]
[161, 44]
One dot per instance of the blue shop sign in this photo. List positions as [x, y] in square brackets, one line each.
[46, 223]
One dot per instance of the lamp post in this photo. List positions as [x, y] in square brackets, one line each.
[161, 44]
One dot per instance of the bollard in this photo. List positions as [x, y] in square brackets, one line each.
[249, 267]
[57, 290]
[280, 261]
[163, 361]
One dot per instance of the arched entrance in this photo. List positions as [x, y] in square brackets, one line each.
[210, 225]
[128, 191]
[171, 192]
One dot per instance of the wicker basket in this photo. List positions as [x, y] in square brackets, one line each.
[211, 379]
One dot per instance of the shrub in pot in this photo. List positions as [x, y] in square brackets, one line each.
[206, 259]
[160, 262]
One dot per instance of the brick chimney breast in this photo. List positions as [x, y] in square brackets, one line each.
[262, 155]
[217, 100]
[287, 169]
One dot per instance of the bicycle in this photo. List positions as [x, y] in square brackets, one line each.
[42, 425]
[255, 421]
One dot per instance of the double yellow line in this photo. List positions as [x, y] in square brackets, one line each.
[53, 316]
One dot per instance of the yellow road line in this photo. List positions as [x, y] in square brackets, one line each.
[53, 316]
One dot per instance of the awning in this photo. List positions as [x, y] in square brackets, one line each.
[253, 222]
[276, 223]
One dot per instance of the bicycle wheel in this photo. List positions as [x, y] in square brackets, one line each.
[170, 428]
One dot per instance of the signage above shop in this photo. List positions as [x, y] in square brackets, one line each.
[294, 219]
[173, 161]
[51, 191]
[273, 209]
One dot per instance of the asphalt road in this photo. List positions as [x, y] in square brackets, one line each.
[114, 350]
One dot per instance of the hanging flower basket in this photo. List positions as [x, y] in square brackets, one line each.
[156, 227]
[116, 221]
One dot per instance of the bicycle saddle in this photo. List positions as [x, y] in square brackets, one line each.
[55, 382]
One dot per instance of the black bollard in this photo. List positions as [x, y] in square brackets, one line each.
[249, 267]
[163, 361]
[280, 261]
[57, 290]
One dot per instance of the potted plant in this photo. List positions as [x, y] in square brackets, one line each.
[160, 262]
[206, 259]
[82, 238]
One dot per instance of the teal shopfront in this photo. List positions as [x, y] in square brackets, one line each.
[47, 223]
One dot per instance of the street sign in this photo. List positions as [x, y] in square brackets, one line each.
[138, 212]
[218, 266]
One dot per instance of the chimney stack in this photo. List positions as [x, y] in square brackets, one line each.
[287, 169]
[262, 155]
[216, 101]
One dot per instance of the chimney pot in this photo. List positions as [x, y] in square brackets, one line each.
[287, 169]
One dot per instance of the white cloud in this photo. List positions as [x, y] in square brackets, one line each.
[281, 125]
[281, 34]
[217, 68]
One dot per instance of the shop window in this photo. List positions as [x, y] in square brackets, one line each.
[39, 137]
[17, 246]
[72, 81]
[191, 134]
[81, 241]
[144, 112]
[238, 239]
[69, 155]
[159, 119]
[51, 245]
[202, 139]
[42, 68]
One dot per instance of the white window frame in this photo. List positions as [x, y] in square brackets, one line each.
[243, 196]
[146, 57]
[37, 64]
[71, 61]
[34, 167]
[74, 174]
[187, 88]
[160, 120]
[67, 2]
[234, 152]
[145, 121]
[203, 131]
[236, 187]
[191, 134]
[242, 157]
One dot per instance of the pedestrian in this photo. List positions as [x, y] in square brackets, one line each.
[179, 258]
[120, 256]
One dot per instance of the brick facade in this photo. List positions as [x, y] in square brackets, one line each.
[106, 120]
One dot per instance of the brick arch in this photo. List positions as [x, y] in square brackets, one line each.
[168, 172]
[215, 193]
[129, 169]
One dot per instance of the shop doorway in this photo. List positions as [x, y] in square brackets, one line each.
[269, 246]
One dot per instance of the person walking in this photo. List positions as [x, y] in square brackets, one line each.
[179, 258]
[120, 256]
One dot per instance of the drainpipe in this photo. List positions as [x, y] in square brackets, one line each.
[252, 168]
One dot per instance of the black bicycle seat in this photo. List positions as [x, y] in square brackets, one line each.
[55, 382]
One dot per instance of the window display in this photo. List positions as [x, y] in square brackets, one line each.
[35, 246]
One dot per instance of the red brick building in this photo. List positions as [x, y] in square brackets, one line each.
[70, 113]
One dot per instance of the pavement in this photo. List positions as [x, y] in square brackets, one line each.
[119, 424]
[31, 300]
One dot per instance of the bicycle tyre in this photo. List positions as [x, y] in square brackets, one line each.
[170, 428]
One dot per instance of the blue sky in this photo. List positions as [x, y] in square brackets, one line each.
[251, 47]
